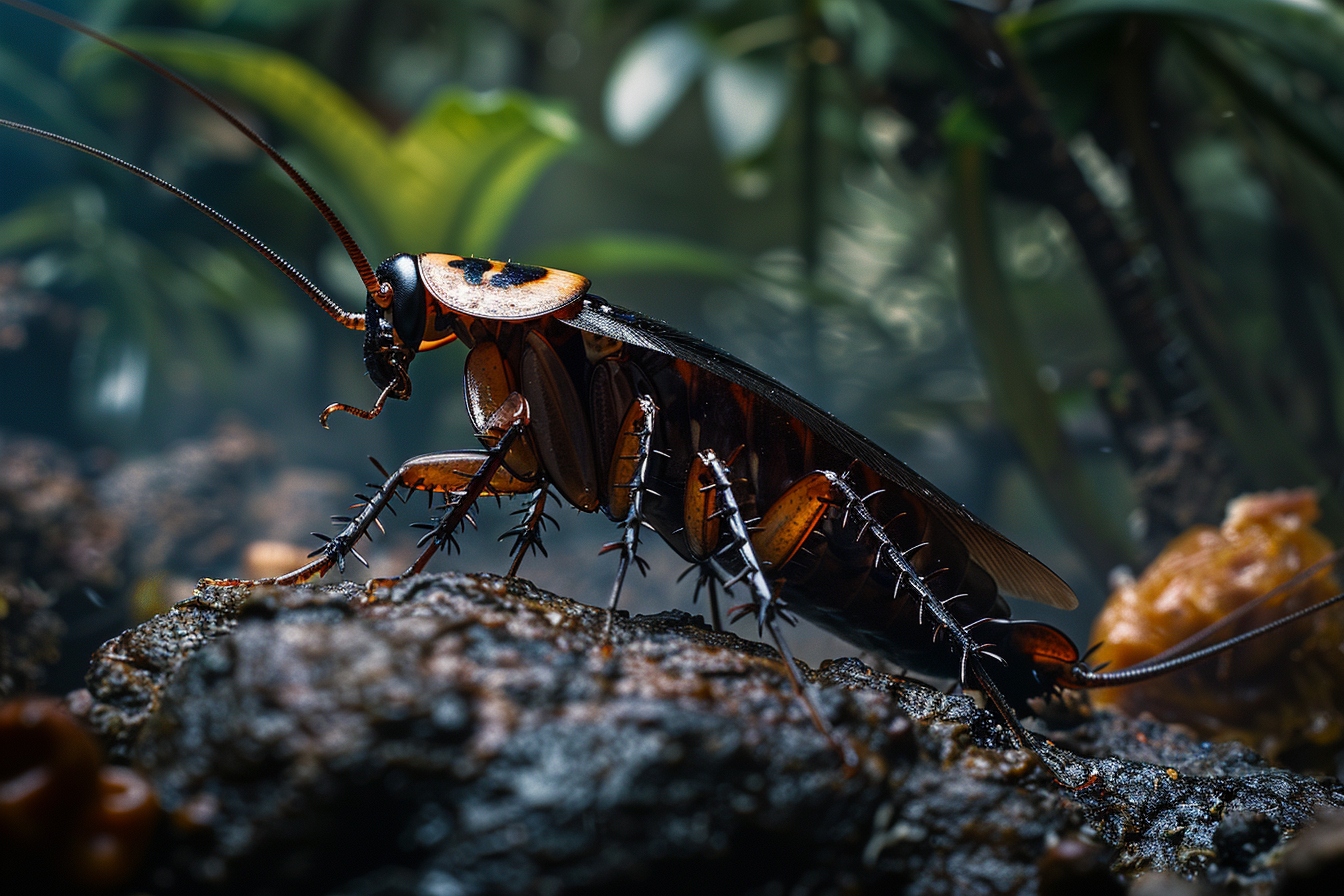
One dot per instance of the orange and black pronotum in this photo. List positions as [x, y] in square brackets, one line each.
[572, 396]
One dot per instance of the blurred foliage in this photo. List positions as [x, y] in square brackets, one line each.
[452, 176]
[1082, 243]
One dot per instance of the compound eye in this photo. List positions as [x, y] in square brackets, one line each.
[408, 298]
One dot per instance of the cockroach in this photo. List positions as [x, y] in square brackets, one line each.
[744, 478]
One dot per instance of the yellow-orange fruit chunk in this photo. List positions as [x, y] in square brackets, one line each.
[1279, 693]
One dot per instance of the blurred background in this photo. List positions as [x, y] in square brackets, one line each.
[1074, 261]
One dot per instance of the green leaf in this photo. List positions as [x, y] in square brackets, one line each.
[261, 14]
[450, 181]
[965, 125]
[746, 101]
[649, 78]
[36, 224]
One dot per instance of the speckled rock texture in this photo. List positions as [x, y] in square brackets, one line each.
[472, 735]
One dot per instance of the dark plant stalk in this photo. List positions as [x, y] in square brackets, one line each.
[1011, 371]
[1241, 410]
[1045, 167]
[1295, 161]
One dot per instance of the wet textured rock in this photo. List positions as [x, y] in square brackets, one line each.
[1314, 861]
[471, 735]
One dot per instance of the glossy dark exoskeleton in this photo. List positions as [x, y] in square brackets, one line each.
[620, 413]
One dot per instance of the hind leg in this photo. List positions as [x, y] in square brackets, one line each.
[740, 551]
[963, 642]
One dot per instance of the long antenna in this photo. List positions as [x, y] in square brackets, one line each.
[1083, 677]
[371, 284]
[349, 319]
[1299, 579]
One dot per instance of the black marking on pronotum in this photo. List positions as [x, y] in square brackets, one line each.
[473, 271]
[517, 275]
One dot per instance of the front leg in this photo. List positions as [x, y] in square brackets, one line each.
[465, 473]
[503, 430]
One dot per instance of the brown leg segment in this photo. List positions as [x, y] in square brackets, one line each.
[897, 561]
[629, 472]
[453, 472]
[489, 475]
[768, 609]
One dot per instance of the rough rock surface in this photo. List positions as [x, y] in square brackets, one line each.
[466, 734]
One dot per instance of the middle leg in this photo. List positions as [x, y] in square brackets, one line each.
[627, 484]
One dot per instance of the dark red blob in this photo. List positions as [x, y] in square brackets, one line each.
[67, 821]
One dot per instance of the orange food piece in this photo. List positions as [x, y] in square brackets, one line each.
[1279, 693]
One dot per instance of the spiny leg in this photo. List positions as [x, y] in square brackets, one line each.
[527, 534]
[442, 472]
[898, 562]
[643, 413]
[707, 581]
[334, 549]
[513, 416]
[768, 608]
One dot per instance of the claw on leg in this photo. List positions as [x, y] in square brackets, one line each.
[898, 561]
[706, 581]
[527, 534]
[637, 428]
[768, 608]
[463, 474]
[512, 419]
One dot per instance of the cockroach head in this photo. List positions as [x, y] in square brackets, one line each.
[394, 323]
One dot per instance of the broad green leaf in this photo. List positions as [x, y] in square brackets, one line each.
[620, 253]
[746, 102]
[649, 78]
[266, 14]
[450, 181]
